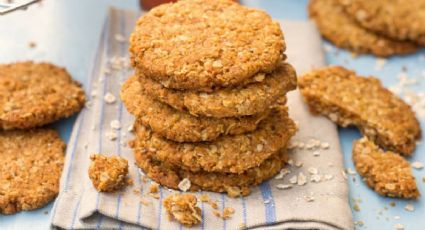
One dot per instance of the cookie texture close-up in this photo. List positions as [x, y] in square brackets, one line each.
[225, 153]
[183, 208]
[35, 94]
[232, 183]
[108, 173]
[253, 98]
[31, 164]
[232, 44]
[398, 19]
[348, 99]
[387, 173]
[343, 31]
[181, 126]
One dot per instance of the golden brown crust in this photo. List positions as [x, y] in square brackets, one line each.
[233, 184]
[183, 208]
[398, 19]
[201, 44]
[348, 99]
[31, 164]
[35, 94]
[250, 99]
[387, 173]
[181, 126]
[338, 27]
[225, 153]
[108, 174]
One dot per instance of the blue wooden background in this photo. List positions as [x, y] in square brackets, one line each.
[66, 33]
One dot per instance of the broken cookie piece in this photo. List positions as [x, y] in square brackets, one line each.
[348, 99]
[108, 174]
[387, 173]
[183, 208]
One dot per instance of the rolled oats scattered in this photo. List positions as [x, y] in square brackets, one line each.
[302, 179]
[109, 98]
[293, 179]
[111, 135]
[316, 178]
[417, 165]
[324, 145]
[309, 198]
[313, 170]
[409, 207]
[184, 185]
[282, 173]
[283, 186]
[119, 38]
[115, 124]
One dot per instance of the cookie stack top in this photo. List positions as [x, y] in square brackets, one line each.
[209, 95]
[205, 44]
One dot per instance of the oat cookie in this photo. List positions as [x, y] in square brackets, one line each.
[201, 44]
[348, 99]
[250, 99]
[225, 153]
[233, 184]
[398, 19]
[181, 126]
[108, 174]
[31, 164]
[338, 27]
[183, 208]
[35, 94]
[387, 173]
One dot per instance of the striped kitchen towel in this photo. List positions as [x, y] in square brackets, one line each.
[318, 202]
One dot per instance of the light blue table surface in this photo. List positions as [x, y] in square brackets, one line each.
[66, 33]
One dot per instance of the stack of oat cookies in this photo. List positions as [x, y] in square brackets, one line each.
[208, 95]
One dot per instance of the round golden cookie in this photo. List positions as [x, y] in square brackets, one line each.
[31, 163]
[202, 44]
[35, 94]
[398, 19]
[233, 184]
[181, 126]
[339, 28]
[230, 154]
[250, 99]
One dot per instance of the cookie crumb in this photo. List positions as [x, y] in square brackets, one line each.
[108, 174]
[183, 208]
[226, 214]
[154, 188]
[399, 227]
[144, 201]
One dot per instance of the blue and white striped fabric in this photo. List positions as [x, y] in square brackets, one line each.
[80, 206]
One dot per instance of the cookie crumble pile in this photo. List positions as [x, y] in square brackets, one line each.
[208, 95]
